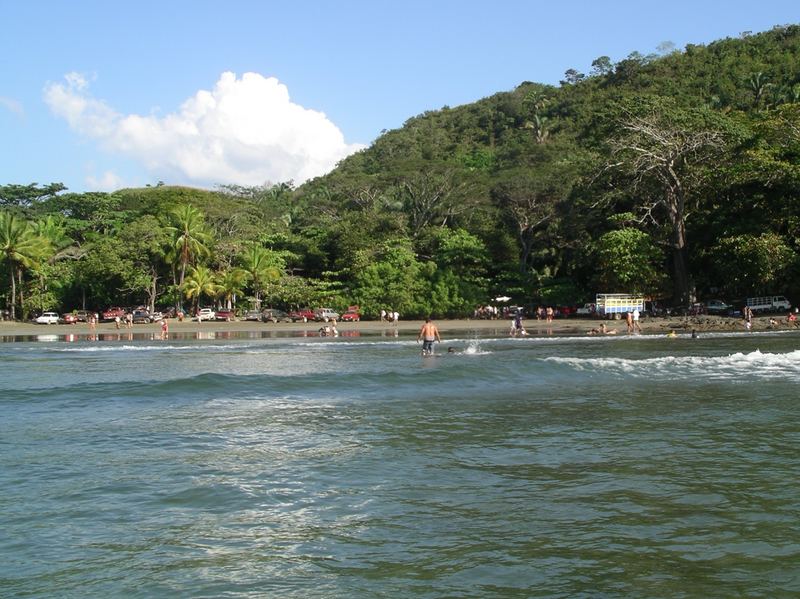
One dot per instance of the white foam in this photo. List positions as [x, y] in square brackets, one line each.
[755, 363]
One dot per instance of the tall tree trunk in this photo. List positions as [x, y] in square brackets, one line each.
[152, 303]
[675, 202]
[180, 285]
[526, 244]
[21, 293]
[13, 291]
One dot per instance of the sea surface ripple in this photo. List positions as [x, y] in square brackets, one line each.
[540, 467]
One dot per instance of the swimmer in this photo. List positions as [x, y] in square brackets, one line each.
[672, 334]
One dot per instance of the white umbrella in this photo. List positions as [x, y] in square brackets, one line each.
[502, 298]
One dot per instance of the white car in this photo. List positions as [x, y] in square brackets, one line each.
[47, 318]
[325, 314]
[205, 314]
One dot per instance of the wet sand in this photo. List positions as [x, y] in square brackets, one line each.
[564, 326]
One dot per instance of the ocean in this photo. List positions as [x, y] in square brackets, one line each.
[352, 467]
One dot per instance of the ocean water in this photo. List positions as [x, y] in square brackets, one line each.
[353, 467]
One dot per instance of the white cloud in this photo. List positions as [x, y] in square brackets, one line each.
[245, 131]
[12, 105]
[108, 181]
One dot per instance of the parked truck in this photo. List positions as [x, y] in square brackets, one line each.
[770, 303]
[615, 305]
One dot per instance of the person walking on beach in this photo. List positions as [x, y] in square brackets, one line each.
[428, 334]
[164, 328]
[629, 322]
[516, 326]
[636, 315]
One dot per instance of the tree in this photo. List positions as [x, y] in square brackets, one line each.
[662, 149]
[146, 242]
[230, 284]
[190, 238]
[21, 248]
[28, 195]
[753, 263]
[199, 283]
[528, 198]
[261, 266]
[390, 276]
[602, 66]
[629, 261]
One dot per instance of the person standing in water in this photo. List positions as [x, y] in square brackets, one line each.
[428, 334]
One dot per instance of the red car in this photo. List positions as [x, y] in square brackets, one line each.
[227, 315]
[68, 318]
[352, 315]
[304, 314]
[113, 313]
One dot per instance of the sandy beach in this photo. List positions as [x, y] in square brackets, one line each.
[568, 326]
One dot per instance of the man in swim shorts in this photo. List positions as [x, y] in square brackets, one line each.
[428, 334]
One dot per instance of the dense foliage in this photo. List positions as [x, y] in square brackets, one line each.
[673, 175]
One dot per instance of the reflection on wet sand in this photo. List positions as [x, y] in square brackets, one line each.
[179, 336]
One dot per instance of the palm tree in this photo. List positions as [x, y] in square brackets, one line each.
[199, 283]
[262, 266]
[230, 284]
[190, 237]
[59, 247]
[21, 247]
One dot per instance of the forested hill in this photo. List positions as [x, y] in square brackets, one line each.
[578, 185]
[675, 175]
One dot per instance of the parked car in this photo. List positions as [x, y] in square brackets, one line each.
[353, 314]
[586, 310]
[304, 314]
[205, 314]
[716, 306]
[113, 314]
[156, 316]
[274, 315]
[68, 318]
[254, 315]
[325, 314]
[142, 317]
[226, 315]
[47, 318]
[83, 315]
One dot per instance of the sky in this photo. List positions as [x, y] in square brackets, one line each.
[105, 95]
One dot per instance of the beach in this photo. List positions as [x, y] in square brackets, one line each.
[488, 328]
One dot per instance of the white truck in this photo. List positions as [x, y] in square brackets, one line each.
[770, 303]
[614, 305]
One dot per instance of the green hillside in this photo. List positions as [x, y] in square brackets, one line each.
[673, 175]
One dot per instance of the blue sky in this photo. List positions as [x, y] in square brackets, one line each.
[99, 96]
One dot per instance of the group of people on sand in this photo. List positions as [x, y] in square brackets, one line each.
[602, 330]
[632, 321]
[390, 316]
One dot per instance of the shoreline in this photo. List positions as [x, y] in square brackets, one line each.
[19, 331]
